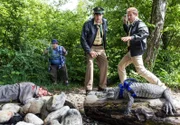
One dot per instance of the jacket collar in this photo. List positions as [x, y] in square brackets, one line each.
[135, 21]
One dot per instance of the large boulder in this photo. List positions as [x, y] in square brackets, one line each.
[24, 123]
[44, 112]
[25, 109]
[53, 103]
[54, 122]
[45, 98]
[5, 115]
[72, 117]
[32, 118]
[14, 107]
[36, 106]
[56, 102]
[33, 106]
[75, 101]
[56, 115]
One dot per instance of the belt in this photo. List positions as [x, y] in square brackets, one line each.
[98, 45]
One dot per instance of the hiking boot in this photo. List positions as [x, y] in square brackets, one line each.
[88, 91]
[101, 89]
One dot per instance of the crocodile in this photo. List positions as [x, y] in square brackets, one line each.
[132, 89]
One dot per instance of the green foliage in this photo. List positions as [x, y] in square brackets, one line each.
[168, 67]
[24, 65]
[27, 28]
[26, 31]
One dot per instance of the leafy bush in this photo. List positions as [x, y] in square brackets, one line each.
[168, 67]
[26, 30]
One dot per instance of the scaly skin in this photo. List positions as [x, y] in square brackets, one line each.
[145, 90]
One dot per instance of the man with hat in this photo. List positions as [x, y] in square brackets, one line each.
[136, 38]
[93, 41]
[57, 64]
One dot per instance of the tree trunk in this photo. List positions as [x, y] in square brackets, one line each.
[165, 39]
[157, 19]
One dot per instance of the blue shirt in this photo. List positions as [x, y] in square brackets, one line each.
[57, 56]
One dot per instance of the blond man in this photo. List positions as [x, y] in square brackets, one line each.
[137, 33]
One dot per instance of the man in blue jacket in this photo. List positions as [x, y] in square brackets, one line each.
[137, 33]
[93, 41]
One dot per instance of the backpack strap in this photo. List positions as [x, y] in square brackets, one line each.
[121, 90]
[126, 86]
[59, 49]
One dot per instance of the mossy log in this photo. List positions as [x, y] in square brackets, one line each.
[112, 111]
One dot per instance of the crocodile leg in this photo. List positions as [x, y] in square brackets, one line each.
[130, 103]
[168, 106]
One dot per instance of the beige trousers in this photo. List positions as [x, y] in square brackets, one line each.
[102, 64]
[139, 65]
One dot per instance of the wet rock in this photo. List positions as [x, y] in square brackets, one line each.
[75, 101]
[33, 106]
[91, 98]
[24, 123]
[25, 108]
[72, 117]
[56, 114]
[174, 120]
[36, 106]
[53, 103]
[32, 118]
[14, 107]
[53, 110]
[45, 98]
[5, 115]
[56, 102]
[44, 112]
[54, 122]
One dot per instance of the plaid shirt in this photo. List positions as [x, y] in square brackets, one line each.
[57, 56]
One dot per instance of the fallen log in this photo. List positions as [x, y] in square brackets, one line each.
[144, 111]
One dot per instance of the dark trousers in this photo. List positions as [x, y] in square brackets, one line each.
[58, 74]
